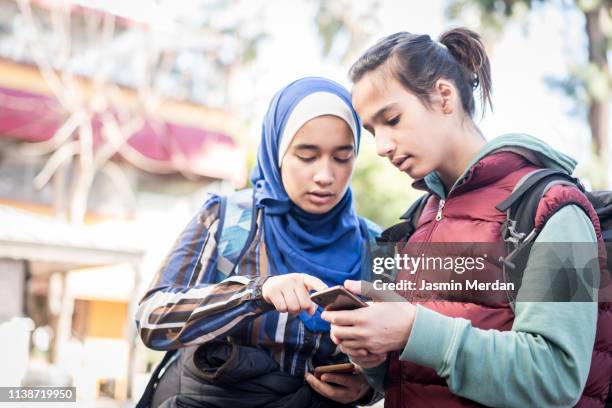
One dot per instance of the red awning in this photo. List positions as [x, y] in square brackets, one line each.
[34, 117]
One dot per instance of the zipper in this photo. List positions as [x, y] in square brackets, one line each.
[440, 207]
[427, 242]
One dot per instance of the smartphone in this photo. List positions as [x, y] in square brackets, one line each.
[337, 298]
[346, 368]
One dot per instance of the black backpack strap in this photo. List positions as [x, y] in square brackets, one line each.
[525, 184]
[522, 204]
[402, 231]
[405, 228]
[518, 231]
[147, 395]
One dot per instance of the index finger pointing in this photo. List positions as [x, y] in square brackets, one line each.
[313, 283]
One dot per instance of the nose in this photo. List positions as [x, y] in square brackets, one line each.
[324, 175]
[385, 146]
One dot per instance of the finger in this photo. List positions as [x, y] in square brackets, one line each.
[361, 287]
[293, 304]
[353, 286]
[312, 309]
[334, 338]
[341, 317]
[321, 387]
[353, 345]
[369, 364]
[367, 289]
[279, 303]
[354, 351]
[345, 380]
[344, 333]
[313, 283]
[304, 298]
[369, 360]
[377, 358]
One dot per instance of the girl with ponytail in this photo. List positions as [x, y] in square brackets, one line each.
[418, 98]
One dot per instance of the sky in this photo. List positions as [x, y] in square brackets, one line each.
[544, 44]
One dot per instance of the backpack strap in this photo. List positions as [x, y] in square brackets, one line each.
[518, 231]
[404, 229]
[401, 231]
[147, 396]
[602, 202]
[527, 194]
[237, 226]
[234, 235]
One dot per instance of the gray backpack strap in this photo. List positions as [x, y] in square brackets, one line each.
[237, 223]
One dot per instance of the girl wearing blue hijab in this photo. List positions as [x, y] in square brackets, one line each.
[296, 231]
[311, 228]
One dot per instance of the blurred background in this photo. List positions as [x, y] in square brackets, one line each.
[116, 118]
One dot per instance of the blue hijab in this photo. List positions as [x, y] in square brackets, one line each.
[327, 246]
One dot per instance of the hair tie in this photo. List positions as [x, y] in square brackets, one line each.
[475, 80]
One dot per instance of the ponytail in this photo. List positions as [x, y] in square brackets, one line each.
[417, 62]
[468, 50]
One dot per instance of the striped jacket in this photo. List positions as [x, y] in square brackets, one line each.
[196, 297]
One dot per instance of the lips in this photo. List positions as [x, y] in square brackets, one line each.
[400, 160]
[320, 197]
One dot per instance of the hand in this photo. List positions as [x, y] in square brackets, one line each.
[289, 293]
[367, 360]
[376, 329]
[342, 388]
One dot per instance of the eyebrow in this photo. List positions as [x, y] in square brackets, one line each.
[303, 146]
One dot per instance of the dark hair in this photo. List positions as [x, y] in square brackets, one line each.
[417, 62]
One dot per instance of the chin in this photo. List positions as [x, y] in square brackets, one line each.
[315, 209]
[417, 174]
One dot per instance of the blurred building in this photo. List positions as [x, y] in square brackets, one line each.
[69, 286]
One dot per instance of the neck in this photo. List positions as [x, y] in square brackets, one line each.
[464, 146]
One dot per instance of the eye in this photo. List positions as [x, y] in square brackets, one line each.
[306, 159]
[343, 160]
[393, 121]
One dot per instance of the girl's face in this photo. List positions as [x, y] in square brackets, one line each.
[317, 166]
[408, 133]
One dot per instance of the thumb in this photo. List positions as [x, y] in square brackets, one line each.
[367, 289]
[353, 286]
[312, 308]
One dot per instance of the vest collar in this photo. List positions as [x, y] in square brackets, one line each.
[485, 171]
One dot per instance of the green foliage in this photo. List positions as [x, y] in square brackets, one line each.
[380, 191]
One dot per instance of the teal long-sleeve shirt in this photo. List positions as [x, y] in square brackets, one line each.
[544, 360]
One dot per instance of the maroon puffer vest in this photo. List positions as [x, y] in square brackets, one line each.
[469, 215]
